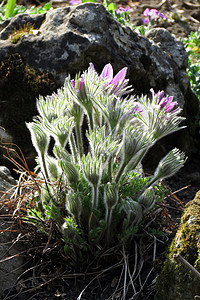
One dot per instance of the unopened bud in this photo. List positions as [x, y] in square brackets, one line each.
[70, 171]
[148, 198]
[39, 138]
[111, 195]
[73, 204]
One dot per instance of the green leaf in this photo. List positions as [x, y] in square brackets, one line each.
[10, 8]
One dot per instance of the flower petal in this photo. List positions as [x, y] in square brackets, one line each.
[107, 73]
[119, 77]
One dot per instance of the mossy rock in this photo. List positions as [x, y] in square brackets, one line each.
[175, 281]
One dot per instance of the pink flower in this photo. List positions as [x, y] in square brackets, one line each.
[118, 82]
[145, 21]
[121, 10]
[80, 84]
[166, 103]
[153, 14]
[107, 74]
[75, 2]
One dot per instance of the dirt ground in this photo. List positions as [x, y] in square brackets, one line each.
[182, 16]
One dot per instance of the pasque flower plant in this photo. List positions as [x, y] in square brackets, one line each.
[82, 181]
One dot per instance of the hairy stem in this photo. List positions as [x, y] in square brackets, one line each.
[95, 196]
[44, 167]
[73, 148]
[120, 171]
[79, 139]
[110, 168]
[108, 220]
[90, 117]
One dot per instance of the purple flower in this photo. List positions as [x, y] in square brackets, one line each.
[161, 15]
[80, 84]
[107, 74]
[75, 2]
[153, 14]
[118, 82]
[136, 109]
[166, 103]
[119, 77]
[146, 12]
[145, 21]
[121, 10]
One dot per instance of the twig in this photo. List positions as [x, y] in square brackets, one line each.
[178, 257]
[191, 5]
[154, 6]
[125, 273]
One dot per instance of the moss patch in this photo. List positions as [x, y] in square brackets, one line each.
[175, 281]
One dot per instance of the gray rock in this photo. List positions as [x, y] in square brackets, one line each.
[6, 180]
[69, 38]
[11, 264]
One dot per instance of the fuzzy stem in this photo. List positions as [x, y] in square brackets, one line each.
[79, 139]
[120, 171]
[152, 181]
[95, 196]
[110, 168]
[73, 148]
[108, 220]
[44, 167]
[90, 117]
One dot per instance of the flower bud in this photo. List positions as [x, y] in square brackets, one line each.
[53, 168]
[111, 195]
[73, 204]
[39, 138]
[69, 170]
[92, 168]
[169, 165]
[148, 198]
[133, 210]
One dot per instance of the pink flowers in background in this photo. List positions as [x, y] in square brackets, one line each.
[152, 14]
[122, 10]
[75, 2]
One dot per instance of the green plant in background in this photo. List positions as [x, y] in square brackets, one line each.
[92, 184]
[11, 9]
[121, 14]
[192, 45]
